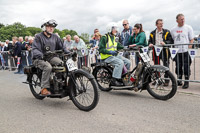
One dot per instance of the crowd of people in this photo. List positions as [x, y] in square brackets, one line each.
[18, 52]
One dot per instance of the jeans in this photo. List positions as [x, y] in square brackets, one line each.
[118, 62]
[2, 60]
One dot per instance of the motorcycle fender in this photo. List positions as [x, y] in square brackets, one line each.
[159, 68]
[71, 81]
[147, 78]
[90, 76]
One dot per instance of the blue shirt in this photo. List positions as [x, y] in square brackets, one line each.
[126, 33]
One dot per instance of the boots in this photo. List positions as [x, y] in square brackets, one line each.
[179, 82]
[45, 92]
[186, 83]
[115, 82]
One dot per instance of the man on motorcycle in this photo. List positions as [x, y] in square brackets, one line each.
[45, 42]
[108, 50]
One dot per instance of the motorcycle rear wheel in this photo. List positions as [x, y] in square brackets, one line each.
[35, 86]
[103, 78]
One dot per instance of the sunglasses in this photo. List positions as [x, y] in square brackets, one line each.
[124, 24]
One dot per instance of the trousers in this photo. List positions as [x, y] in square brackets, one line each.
[183, 62]
[46, 68]
[118, 62]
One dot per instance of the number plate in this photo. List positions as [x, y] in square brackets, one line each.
[145, 57]
[70, 65]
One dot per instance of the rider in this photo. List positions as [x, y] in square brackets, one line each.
[108, 50]
[44, 42]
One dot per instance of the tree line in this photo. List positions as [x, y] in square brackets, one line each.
[18, 29]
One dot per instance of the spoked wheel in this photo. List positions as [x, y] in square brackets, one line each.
[103, 78]
[163, 85]
[35, 86]
[84, 93]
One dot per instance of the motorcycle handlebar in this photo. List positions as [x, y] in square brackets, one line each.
[136, 48]
[55, 52]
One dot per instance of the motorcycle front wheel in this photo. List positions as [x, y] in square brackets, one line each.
[161, 85]
[84, 92]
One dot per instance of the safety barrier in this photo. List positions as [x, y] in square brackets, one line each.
[193, 53]
[8, 61]
[188, 59]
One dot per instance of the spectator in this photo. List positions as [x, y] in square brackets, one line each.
[4, 54]
[8, 44]
[125, 34]
[68, 42]
[137, 38]
[11, 47]
[29, 48]
[26, 39]
[95, 31]
[95, 43]
[64, 39]
[78, 45]
[198, 41]
[57, 34]
[161, 36]
[181, 34]
[23, 52]
[1, 58]
[17, 53]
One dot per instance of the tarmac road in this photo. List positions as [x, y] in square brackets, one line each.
[116, 112]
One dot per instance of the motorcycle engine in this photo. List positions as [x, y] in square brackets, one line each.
[56, 81]
[127, 80]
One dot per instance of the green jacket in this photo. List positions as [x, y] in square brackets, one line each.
[103, 42]
[139, 40]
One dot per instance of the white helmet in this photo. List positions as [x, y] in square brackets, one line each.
[111, 26]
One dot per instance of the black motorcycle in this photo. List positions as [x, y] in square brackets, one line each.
[66, 80]
[143, 77]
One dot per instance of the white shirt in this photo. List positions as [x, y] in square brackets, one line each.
[97, 43]
[3, 48]
[182, 35]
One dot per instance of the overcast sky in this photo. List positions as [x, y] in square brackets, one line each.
[86, 15]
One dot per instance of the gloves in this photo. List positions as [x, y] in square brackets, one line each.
[112, 52]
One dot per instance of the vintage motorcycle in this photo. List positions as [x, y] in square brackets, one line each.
[139, 78]
[66, 80]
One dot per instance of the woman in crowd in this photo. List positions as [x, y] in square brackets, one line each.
[95, 43]
[137, 38]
